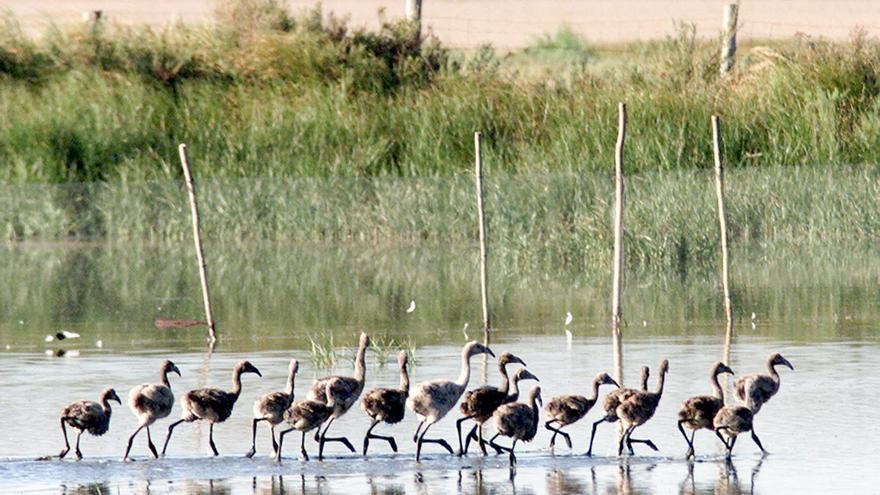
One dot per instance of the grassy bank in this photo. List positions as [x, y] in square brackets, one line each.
[273, 95]
[535, 221]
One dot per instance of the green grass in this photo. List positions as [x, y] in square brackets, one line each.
[308, 96]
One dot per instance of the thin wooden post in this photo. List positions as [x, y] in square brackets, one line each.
[722, 218]
[414, 12]
[197, 236]
[728, 37]
[484, 289]
[617, 271]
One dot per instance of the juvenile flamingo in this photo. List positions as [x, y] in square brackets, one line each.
[567, 409]
[732, 421]
[271, 407]
[309, 414]
[638, 409]
[85, 415]
[479, 404]
[211, 404]
[699, 412]
[387, 405]
[520, 375]
[151, 402]
[756, 389]
[349, 390]
[518, 421]
[432, 400]
[612, 400]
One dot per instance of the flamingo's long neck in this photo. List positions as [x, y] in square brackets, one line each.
[360, 364]
[595, 396]
[105, 403]
[773, 373]
[290, 379]
[165, 380]
[644, 381]
[716, 387]
[535, 409]
[514, 395]
[505, 379]
[661, 380]
[236, 382]
[331, 397]
[404, 378]
[465, 375]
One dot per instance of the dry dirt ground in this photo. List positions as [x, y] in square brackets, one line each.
[514, 23]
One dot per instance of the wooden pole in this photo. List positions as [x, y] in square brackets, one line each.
[197, 236]
[414, 12]
[484, 284]
[728, 37]
[722, 219]
[617, 271]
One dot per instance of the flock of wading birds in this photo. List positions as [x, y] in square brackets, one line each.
[330, 397]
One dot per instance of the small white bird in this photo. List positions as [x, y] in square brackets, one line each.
[49, 338]
[99, 344]
[412, 306]
[464, 331]
[568, 320]
[754, 316]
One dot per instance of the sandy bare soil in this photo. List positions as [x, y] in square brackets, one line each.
[514, 23]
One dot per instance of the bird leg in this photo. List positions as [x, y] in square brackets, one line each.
[211, 439]
[649, 443]
[593, 435]
[727, 445]
[418, 429]
[302, 447]
[758, 442]
[512, 455]
[625, 438]
[557, 431]
[438, 441]
[66, 442]
[461, 450]
[480, 439]
[79, 454]
[253, 450]
[272, 432]
[324, 439]
[170, 431]
[131, 441]
[690, 441]
[281, 441]
[498, 448]
[370, 435]
[151, 445]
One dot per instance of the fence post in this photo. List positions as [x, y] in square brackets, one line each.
[197, 236]
[617, 271]
[414, 12]
[728, 37]
[722, 218]
[484, 284]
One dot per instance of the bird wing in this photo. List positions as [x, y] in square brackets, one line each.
[702, 408]
[508, 417]
[83, 413]
[482, 401]
[150, 397]
[208, 403]
[437, 395]
[274, 403]
[345, 386]
[754, 390]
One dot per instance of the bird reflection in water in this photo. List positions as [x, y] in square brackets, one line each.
[560, 482]
[727, 482]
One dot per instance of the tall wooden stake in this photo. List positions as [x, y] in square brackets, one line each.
[722, 218]
[484, 289]
[617, 273]
[728, 37]
[197, 236]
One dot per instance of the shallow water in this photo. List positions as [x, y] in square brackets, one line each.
[815, 428]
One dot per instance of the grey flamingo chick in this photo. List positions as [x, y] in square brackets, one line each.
[612, 400]
[518, 421]
[271, 407]
[638, 409]
[211, 404]
[699, 412]
[151, 402]
[520, 375]
[387, 405]
[567, 409]
[85, 415]
[732, 421]
[309, 414]
[756, 389]
[432, 400]
[479, 404]
[349, 390]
